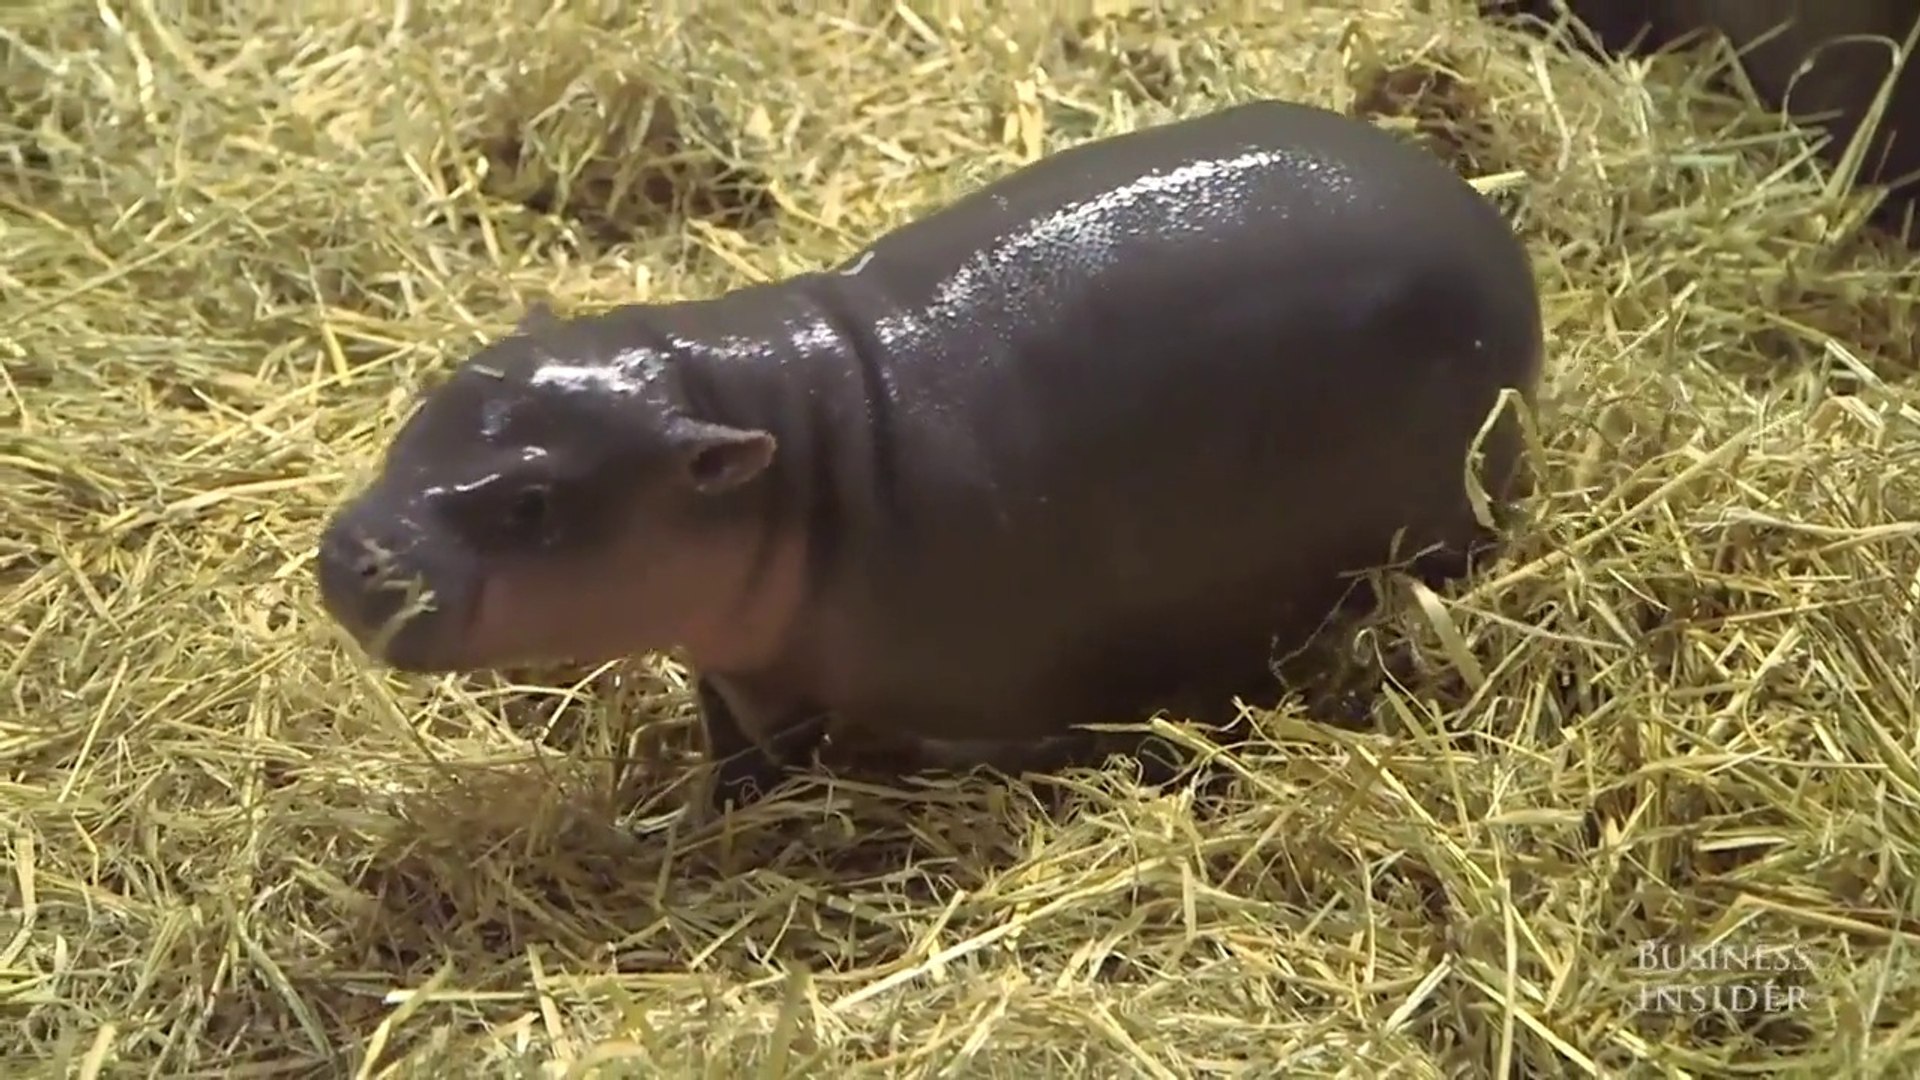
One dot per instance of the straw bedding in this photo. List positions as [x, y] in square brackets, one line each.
[236, 238]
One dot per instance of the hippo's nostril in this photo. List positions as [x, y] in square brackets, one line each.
[351, 556]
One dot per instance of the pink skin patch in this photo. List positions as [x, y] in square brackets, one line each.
[683, 590]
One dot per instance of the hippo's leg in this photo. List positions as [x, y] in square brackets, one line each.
[1300, 654]
[1160, 760]
[745, 767]
[1467, 546]
[1209, 702]
[1464, 556]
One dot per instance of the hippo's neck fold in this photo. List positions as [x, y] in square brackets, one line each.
[790, 359]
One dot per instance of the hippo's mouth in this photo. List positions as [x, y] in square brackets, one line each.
[411, 619]
[417, 629]
[436, 608]
[515, 622]
[485, 625]
[491, 636]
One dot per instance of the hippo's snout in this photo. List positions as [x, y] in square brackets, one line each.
[351, 569]
[388, 593]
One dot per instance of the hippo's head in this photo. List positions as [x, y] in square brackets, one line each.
[555, 500]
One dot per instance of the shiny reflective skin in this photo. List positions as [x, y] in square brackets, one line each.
[545, 522]
[1093, 439]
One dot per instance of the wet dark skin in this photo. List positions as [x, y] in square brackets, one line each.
[1097, 439]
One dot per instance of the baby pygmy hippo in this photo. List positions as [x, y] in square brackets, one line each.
[1106, 433]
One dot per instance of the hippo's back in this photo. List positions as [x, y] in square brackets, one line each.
[1185, 375]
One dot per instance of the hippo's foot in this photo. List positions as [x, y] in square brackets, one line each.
[1444, 565]
[1208, 700]
[745, 769]
[1163, 761]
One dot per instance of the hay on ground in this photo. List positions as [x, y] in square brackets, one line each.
[236, 239]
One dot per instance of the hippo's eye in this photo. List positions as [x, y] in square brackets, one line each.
[528, 510]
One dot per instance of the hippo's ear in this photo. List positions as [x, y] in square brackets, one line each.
[717, 458]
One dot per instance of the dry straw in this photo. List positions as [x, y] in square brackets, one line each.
[235, 238]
